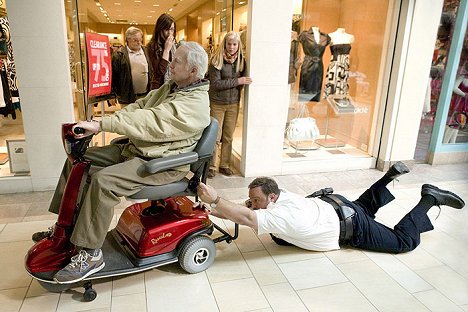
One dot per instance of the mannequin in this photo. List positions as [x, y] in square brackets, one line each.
[338, 70]
[313, 43]
[340, 36]
[294, 61]
[458, 107]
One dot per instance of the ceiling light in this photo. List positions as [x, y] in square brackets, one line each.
[224, 10]
[155, 5]
[171, 9]
[242, 2]
[117, 3]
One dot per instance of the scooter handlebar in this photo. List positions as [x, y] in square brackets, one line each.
[79, 130]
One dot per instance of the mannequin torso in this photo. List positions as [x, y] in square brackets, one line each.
[316, 32]
[339, 36]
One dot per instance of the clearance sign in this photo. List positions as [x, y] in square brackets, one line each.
[99, 65]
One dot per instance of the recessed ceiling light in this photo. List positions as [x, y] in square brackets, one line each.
[242, 2]
[155, 5]
[171, 9]
[117, 3]
[148, 16]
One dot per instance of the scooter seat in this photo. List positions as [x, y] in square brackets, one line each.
[178, 188]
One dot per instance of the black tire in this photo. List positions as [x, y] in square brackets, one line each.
[197, 254]
[55, 288]
[89, 295]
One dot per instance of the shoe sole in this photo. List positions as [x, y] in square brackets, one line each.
[99, 268]
[401, 167]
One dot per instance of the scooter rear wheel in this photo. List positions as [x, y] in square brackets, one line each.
[55, 288]
[197, 254]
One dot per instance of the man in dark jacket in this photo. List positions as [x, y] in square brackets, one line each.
[131, 69]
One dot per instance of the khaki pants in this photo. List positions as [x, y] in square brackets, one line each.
[118, 177]
[226, 115]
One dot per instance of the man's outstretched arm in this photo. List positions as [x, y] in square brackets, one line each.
[228, 210]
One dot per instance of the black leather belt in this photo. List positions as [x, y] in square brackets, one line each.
[345, 214]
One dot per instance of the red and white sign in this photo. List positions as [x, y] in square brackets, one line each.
[99, 65]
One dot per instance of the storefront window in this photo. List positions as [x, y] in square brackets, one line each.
[456, 130]
[334, 76]
[13, 159]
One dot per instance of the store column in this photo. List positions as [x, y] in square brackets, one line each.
[39, 41]
[267, 98]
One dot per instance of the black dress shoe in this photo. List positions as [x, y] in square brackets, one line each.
[398, 169]
[442, 197]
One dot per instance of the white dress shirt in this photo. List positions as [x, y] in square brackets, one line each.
[139, 67]
[309, 223]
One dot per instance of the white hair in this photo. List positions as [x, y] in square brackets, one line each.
[131, 31]
[196, 58]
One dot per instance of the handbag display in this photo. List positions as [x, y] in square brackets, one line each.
[302, 128]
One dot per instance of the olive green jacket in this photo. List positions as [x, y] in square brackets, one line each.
[168, 121]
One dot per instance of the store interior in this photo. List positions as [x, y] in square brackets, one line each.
[202, 21]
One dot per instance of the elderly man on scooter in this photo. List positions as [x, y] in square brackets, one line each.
[168, 121]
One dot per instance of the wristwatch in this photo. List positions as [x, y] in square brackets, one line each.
[215, 203]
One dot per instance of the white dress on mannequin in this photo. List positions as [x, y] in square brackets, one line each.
[338, 70]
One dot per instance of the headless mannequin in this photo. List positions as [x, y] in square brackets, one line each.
[451, 133]
[339, 36]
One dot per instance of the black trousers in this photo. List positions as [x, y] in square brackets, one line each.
[368, 234]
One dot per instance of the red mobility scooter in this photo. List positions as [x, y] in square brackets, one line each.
[165, 227]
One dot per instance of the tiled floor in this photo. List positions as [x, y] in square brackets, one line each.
[254, 274]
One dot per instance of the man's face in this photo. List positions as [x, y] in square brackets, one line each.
[134, 42]
[258, 199]
[180, 73]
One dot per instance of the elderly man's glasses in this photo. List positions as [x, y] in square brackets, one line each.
[135, 39]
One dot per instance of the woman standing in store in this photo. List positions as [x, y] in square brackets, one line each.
[161, 49]
[226, 74]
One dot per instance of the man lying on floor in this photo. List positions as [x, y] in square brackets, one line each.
[324, 221]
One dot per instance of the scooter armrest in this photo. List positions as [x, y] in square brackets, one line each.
[119, 140]
[165, 163]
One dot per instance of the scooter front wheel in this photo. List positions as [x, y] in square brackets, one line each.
[197, 254]
[55, 288]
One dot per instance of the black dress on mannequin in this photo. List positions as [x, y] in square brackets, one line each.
[310, 84]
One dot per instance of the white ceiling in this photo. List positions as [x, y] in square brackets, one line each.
[138, 11]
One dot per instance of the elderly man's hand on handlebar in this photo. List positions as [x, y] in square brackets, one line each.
[91, 127]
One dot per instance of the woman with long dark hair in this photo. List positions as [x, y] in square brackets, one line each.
[161, 49]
